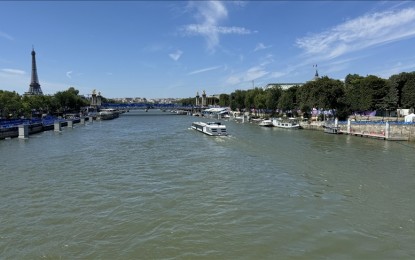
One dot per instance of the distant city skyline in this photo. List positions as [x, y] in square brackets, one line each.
[174, 49]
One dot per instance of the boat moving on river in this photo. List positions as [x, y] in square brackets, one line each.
[210, 128]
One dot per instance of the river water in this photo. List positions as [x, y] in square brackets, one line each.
[146, 186]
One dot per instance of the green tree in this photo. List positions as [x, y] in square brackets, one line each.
[367, 93]
[260, 100]
[376, 89]
[224, 100]
[238, 99]
[408, 91]
[273, 95]
[10, 104]
[187, 101]
[38, 104]
[353, 92]
[249, 101]
[390, 100]
[288, 99]
[69, 100]
[398, 88]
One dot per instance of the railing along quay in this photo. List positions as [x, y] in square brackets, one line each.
[22, 128]
[386, 130]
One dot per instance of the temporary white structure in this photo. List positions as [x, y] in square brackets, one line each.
[410, 118]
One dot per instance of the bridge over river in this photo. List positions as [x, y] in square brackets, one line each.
[151, 106]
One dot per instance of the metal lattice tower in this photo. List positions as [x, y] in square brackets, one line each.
[34, 83]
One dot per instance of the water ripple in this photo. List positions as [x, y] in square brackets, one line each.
[147, 187]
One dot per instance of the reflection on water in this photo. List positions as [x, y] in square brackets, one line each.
[146, 186]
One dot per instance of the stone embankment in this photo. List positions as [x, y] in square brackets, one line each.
[387, 130]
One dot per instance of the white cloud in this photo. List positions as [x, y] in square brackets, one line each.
[360, 33]
[255, 73]
[251, 74]
[69, 74]
[233, 80]
[13, 71]
[14, 80]
[6, 36]
[209, 15]
[239, 3]
[396, 68]
[176, 55]
[261, 46]
[203, 70]
[277, 74]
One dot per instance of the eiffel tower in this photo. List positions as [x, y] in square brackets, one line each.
[34, 88]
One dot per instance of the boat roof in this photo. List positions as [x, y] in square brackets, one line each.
[216, 109]
[208, 123]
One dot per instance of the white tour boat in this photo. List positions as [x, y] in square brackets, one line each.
[210, 128]
[291, 123]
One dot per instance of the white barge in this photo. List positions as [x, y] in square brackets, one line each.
[210, 128]
[291, 123]
[108, 113]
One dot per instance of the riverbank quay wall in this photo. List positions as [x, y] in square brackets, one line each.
[391, 130]
[388, 130]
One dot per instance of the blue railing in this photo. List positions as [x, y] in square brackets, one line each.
[49, 120]
[141, 105]
[373, 122]
[14, 123]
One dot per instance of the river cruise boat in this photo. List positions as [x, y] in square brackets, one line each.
[291, 123]
[210, 128]
[108, 114]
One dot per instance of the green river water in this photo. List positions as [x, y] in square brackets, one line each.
[146, 186]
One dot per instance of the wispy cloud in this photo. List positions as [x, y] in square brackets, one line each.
[360, 33]
[14, 80]
[396, 68]
[255, 73]
[6, 36]
[261, 46]
[176, 55]
[209, 15]
[249, 75]
[203, 70]
[69, 74]
[277, 74]
[13, 71]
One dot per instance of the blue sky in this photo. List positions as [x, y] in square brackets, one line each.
[160, 49]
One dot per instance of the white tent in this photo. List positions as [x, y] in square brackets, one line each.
[410, 118]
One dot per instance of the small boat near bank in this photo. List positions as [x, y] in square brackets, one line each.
[291, 123]
[210, 128]
[332, 130]
[266, 123]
